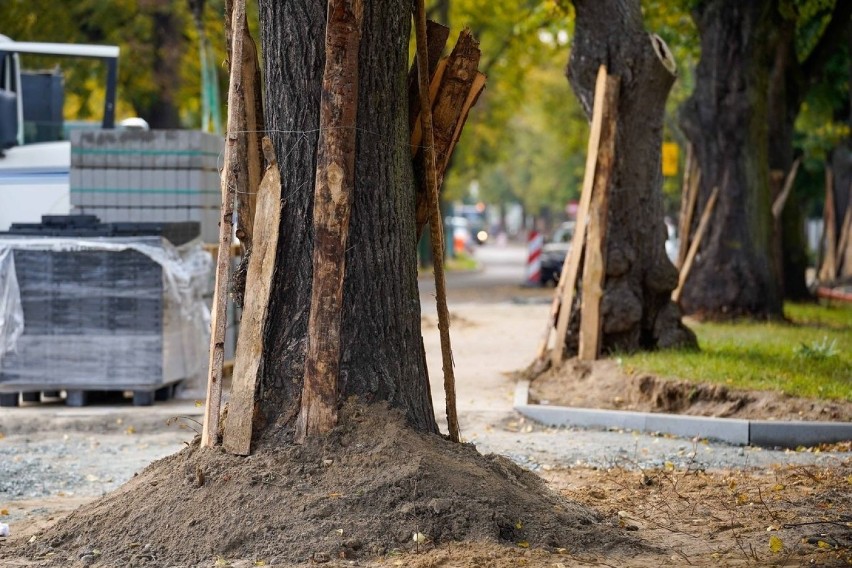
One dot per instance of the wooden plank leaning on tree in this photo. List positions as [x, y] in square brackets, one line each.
[436, 39]
[233, 176]
[781, 200]
[828, 270]
[594, 269]
[564, 298]
[696, 243]
[687, 210]
[454, 89]
[241, 408]
[436, 224]
[335, 181]
[844, 250]
[253, 107]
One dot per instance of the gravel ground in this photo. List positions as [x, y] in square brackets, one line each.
[53, 457]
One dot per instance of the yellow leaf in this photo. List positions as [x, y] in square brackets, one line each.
[519, 525]
[130, 430]
[669, 466]
[523, 544]
[742, 499]
[260, 562]
[778, 487]
[198, 403]
[4, 512]
[848, 477]
[731, 484]
[775, 544]
[823, 544]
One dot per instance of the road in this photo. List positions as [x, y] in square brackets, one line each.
[499, 278]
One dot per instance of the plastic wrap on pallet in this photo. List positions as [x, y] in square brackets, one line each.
[11, 310]
[133, 316]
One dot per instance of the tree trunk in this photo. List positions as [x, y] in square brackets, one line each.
[636, 308]
[161, 110]
[382, 357]
[726, 120]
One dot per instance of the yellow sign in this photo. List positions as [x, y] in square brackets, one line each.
[670, 158]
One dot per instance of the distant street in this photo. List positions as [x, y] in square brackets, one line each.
[499, 279]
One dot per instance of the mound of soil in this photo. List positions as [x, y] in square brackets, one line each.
[368, 488]
[604, 384]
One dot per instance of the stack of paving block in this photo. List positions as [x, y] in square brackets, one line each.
[148, 176]
[98, 314]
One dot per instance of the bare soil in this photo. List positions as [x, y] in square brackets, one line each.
[605, 384]
[372, 488]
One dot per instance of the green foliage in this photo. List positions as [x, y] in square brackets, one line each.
[809, 356]
[133, 26]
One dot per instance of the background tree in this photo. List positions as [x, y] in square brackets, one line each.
[637, 309]
[727, 121]
[159, 70]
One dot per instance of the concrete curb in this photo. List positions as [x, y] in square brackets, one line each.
[734, 431]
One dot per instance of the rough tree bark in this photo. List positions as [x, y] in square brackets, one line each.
[382, 357]
[636, 308]
[726, 119]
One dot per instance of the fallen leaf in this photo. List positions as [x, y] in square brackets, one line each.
[130, 430]
[198, 403]
[742, 499]
[669, 466]
[4, 512]
[776, 545]
[778, 487]
[260, 562]
[823, 544]
[523, 544]
[519, 525]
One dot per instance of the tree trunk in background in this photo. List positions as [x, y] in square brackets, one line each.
[789, 82]
[382, 356]
[726, 120]
[637, 309]
[161, 109]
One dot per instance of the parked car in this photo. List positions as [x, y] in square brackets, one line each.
[553, 253]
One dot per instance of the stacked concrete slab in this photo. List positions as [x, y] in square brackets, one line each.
[153, 175]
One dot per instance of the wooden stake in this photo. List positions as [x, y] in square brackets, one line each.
[238, 429]
[828, 270]
[688, 202]
[335, 181]
[249, 144]
[844, 250]
[230, 175]
[571, 266]
[435, 219]
[781, 200]
[696, 243]
[594, 270]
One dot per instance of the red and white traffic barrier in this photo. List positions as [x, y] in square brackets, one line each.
[535, 241]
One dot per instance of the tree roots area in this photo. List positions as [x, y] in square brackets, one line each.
[376, 493]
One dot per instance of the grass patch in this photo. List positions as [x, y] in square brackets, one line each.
[811, 356]
[459, 263]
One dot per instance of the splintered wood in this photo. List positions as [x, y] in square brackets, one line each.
[335, 181]
[231, 175]
[238, 429]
